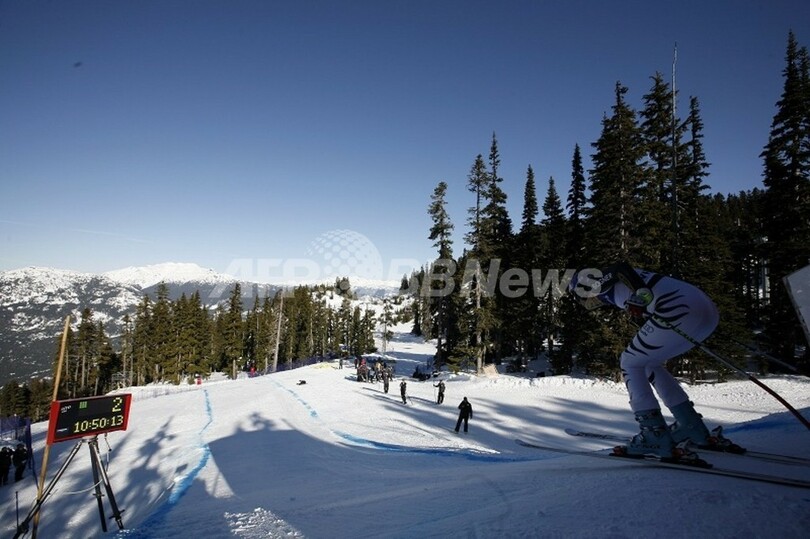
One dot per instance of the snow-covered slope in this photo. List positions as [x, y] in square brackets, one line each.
[333, 458]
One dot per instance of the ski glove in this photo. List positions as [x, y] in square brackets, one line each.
[638, 301]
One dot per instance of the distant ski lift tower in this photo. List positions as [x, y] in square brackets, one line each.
[674, 186]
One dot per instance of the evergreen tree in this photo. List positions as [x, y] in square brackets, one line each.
[613, 227]
[143, 342]
[163, 336]
[576, 206]
[573, 318]
[107, 363]
[693, 237]
[251, 332]
[787, 200]
[553, 228]
[746, 237]
[494, 253]
[41, 392]
[127, 352]
[192, 333]
[616, 179]
[440, 234]
[523, 329]
[476, 238]
[87, 352]
[230, 333]
[659, 191]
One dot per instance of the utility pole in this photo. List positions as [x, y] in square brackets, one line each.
[675, 220]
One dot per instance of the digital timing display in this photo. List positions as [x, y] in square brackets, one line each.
[76, 418]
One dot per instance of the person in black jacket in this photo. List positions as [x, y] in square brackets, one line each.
[5, 464]
[403, 388]
[20, 459]
[465, 413]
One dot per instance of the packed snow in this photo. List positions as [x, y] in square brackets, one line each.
[270, 456]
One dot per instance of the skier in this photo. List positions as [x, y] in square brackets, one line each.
[440, 385]
[403, 386]
[647, 296]
[465, 413]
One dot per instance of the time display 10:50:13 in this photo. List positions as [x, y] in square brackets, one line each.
[98, 423]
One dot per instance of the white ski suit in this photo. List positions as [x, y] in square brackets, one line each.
[678, 303]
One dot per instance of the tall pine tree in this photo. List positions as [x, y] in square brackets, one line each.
[787, 200]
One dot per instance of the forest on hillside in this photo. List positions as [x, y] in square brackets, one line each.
[645, 201]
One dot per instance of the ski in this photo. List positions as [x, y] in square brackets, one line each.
[658, 463]
[759, 455]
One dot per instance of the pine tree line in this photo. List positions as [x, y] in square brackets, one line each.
[644, 201]
[174, 341]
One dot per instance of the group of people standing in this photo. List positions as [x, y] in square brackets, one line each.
[17, 457]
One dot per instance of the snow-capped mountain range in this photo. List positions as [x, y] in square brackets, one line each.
[34, 303]
[174, 272]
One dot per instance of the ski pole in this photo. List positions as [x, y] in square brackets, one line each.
[730, 365]
[755, 350]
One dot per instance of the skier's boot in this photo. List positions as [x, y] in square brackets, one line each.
[689, 426]
[654, 438]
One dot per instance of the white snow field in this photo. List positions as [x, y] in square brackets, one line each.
[336, 458]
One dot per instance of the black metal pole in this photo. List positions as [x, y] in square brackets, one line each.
[105, 480]
[23, 527]
[730, 365]
[96, 485]
[757, 351]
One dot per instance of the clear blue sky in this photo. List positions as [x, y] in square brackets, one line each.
[134, 133]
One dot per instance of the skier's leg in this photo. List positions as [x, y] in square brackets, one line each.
[688, 423]
[654, 437]
[638, 387]
[667, 387]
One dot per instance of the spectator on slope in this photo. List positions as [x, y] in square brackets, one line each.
[20, 459]
[5, 464]
[386, 377]
[465, 413]
[440, 385]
